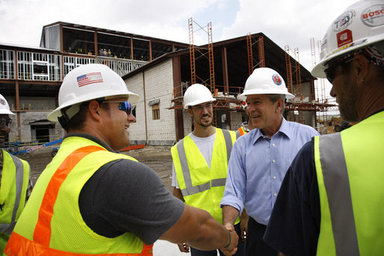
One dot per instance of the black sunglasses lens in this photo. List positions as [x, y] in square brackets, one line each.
[125, 106]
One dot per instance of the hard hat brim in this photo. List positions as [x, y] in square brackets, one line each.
[53, 116]
[319, 69]
[258, 91]
[6, 112]
[197, 102]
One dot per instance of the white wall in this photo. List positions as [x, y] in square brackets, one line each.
[158, 86]
[236, 120]
[33, 109]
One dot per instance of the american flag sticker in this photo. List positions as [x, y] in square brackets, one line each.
[90, 78]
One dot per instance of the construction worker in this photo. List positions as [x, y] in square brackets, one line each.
[245, 126]
[16, 184]
[91, 200]
[200, 160]
[331, 200]
[260, 158]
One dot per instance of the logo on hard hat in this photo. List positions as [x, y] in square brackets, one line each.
[373, 16]
[344, 37]
[276, 79]
[2, 101]
[90, 78]
[343, 21]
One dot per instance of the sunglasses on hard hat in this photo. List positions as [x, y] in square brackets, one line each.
[123, 106]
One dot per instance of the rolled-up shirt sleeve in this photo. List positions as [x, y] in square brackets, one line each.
[234, 192]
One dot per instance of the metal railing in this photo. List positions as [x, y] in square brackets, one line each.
[36, 66]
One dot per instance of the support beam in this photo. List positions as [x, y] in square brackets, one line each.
[225, 69]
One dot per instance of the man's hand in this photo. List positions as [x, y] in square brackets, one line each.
[183, 247]
[243, 225]
[234, 239]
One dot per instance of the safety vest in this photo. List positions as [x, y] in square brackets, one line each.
[201, 186]
[241, 131]
[350, 174]
[51, 223]
[13, 192]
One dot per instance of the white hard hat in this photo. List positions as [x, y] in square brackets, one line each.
[88, 82]
[265, 81]
[4, 107]
[197, 94]
[360, 25]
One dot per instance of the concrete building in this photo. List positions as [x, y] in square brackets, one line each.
[30, 78]
[158, 70]
[162, 82]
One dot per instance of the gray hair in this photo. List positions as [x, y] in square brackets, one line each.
[276, 97]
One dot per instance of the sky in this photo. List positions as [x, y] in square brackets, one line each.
[289, 23]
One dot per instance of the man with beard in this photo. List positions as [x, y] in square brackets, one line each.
[16, 184]
[200, 160]
[331, 200]
[260, 158]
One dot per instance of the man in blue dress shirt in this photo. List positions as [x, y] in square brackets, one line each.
[260, 158]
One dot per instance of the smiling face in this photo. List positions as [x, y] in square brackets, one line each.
[263, 113]
[116, 123]
[202, 114]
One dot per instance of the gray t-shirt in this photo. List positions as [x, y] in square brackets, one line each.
[127, 196]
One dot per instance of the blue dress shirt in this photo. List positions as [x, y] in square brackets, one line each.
[257, 167]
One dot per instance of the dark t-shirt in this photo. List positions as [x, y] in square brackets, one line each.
[127, 196]
[294, 225]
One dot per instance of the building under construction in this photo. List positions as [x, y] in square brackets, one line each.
[158, 70]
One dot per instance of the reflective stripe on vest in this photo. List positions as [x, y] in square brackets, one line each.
[17, 239]
[335, 175]
[42, 233]
[190, 190]
[26, 240]
[8, 227]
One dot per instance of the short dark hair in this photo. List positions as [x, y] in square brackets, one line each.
[78, 120]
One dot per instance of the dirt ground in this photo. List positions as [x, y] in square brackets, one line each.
[157, 157]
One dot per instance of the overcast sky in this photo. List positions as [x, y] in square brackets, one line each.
[286, 22]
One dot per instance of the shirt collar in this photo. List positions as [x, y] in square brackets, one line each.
[90, 137]
[284, 129]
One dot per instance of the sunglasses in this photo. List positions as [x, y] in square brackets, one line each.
[123, 106]
[330, 72]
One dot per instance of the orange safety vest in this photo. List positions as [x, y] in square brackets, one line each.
[240, 132]
[51, 223]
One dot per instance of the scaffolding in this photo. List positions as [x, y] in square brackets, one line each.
[288, 67]
[261, 62]
[192, 51]
[250, 54]
[211, 59]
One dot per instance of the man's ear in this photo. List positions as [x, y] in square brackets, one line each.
[94, 109]
[280, 104]
[360, 68]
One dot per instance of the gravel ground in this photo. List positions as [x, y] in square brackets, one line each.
[157, 157]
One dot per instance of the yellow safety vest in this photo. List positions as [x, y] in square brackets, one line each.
[350, 174]
[201, 186]
[51, 223]
[13, 192]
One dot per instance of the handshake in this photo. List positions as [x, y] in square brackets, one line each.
[228, 241]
